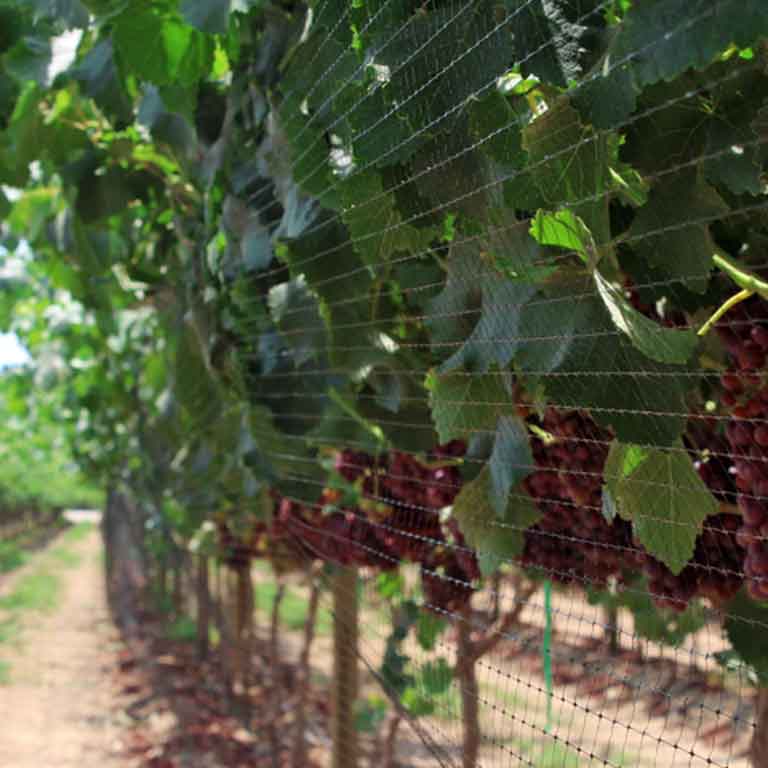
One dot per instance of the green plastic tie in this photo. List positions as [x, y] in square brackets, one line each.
[546, 650]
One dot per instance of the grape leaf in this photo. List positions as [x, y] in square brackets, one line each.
[210, 16]
[659, 41]
[745, 624]
[99, 78]
[463, 404]
[495, 122]
[496, 538]
[667, 345]
[587, 364]
[375, 223]
[336, 274]
[562, 229]
[570, 163]
[296, 313]
[550, 36]
[510, 462]
[478, 312]
[666, 231]
[30, 59]
[160, 48]
[667, 502]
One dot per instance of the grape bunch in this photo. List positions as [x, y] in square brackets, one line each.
[744, 334]
[447, 572]
[714, 572]
[573, 541]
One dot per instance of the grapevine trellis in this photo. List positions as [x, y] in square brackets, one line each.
[456, 308]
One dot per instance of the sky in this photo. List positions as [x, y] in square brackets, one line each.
[11, 351]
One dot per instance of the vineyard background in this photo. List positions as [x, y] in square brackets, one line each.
[415, 353]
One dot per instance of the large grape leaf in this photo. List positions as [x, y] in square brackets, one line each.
[659, 41]
[570, 346]
[666, 345]
[666, 500]
[296, 313]
[374, 221]
[511, 460]
[570, 164]
[551, 36]
[746, 622]
[463, 404]
[161, 48]
[476, 317]
[210, 16]
[495, 122]
[496, 537]
[442, 57]
[335, 273]
[672, 232]
[99, 78]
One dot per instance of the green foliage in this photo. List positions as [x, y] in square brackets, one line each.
[248, 235]
[663, 495]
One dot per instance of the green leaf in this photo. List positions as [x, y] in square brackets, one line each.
[463, 404]
[374, 222]
[30, 59]
[475, 318]
[99, 79]
[570, 163]
[623, 459]
[552, 37]
[510, 462]
[662, 234]
[667, 345]
[745, 624]
[562, 229]
[667, 502]
[495, 122]
[661, 40]
[296, 313]
[338, 277]
[211, 16]
[428, 629]
[160, 48]
[435, 677]
[569, 331]
[496, 538]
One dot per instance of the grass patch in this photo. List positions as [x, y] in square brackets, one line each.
[550, 755]
[9, 630]
[294, 608]
[12, 556]
[36, 591]
[77, 533]
[5, 672]
[65, 557]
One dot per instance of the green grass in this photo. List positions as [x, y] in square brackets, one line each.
[294, 608]
[36, 591]
[549, 755]
[9, 630]
[77, 533]
[5, 672]
[65, 557]
[12, 556]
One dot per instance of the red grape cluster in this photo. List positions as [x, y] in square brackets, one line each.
[573, 541]
[744, 334]
[714, 572]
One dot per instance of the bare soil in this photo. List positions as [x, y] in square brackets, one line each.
[57, 708]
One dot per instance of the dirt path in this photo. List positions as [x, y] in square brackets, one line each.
[56, 710]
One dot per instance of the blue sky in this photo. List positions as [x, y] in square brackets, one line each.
[11, 351]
